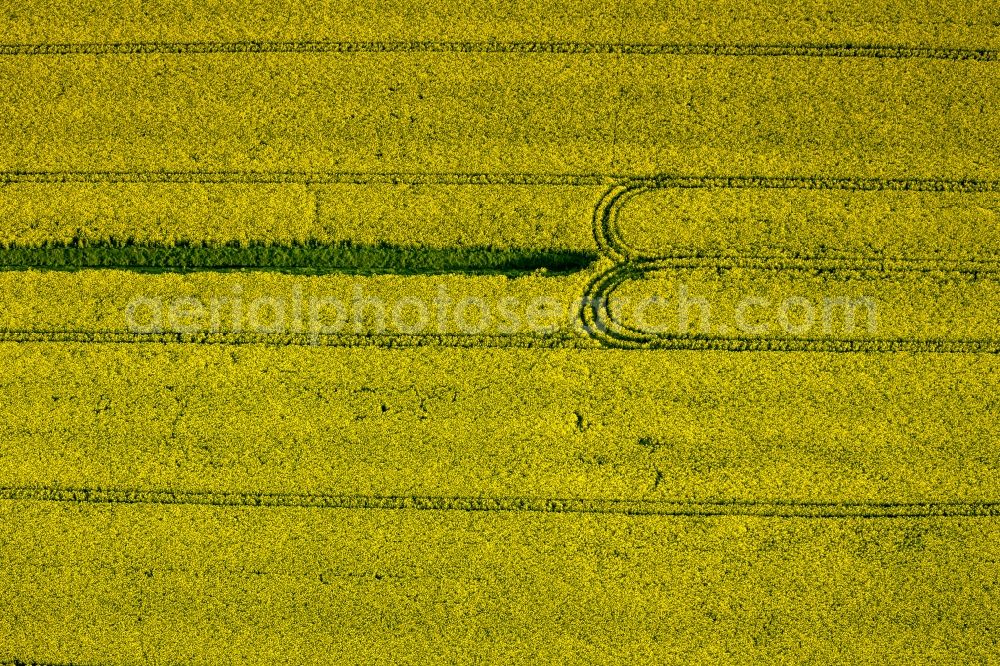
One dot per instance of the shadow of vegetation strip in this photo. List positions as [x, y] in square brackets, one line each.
[300, 258]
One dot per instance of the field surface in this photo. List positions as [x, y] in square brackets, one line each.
[487, 332]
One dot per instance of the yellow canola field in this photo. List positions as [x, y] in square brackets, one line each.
[565, 332]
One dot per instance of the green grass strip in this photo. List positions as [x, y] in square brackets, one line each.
[300, 258]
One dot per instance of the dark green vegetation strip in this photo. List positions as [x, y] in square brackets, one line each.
[303, 258]
[773, 508]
